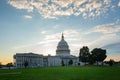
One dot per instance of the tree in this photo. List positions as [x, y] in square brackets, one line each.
[98, 54]
[9, 65]
[78, 64]
[84, 54]
[70, 62]
[111, 62]
[26, 64]
[62, 62]
[91, 60]
[0, 65]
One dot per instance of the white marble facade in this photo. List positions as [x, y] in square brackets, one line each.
[34, 60]
[37, 60]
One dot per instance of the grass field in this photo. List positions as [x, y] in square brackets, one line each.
[62, 73]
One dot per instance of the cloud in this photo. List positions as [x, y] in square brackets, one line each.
[104, 40]
[27, 17]
[119, 4]
[113, 50]
[21, 4]
[68, 33]
[58, 8]
[45, 32]
[56, 26]
[113, 46]
[105, 28]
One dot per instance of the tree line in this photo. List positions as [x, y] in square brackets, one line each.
[95, 56]
[9, 65]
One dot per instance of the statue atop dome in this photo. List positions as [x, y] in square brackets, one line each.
[62, 36]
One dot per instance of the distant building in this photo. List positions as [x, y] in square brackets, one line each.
[36, 60]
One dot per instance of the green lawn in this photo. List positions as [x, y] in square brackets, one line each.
[62, 73]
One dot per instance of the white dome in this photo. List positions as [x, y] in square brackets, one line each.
[62, 45]
[63, 48]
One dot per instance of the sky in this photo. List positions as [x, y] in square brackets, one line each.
[36, 26]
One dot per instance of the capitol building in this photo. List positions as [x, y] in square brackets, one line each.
[62, 57]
